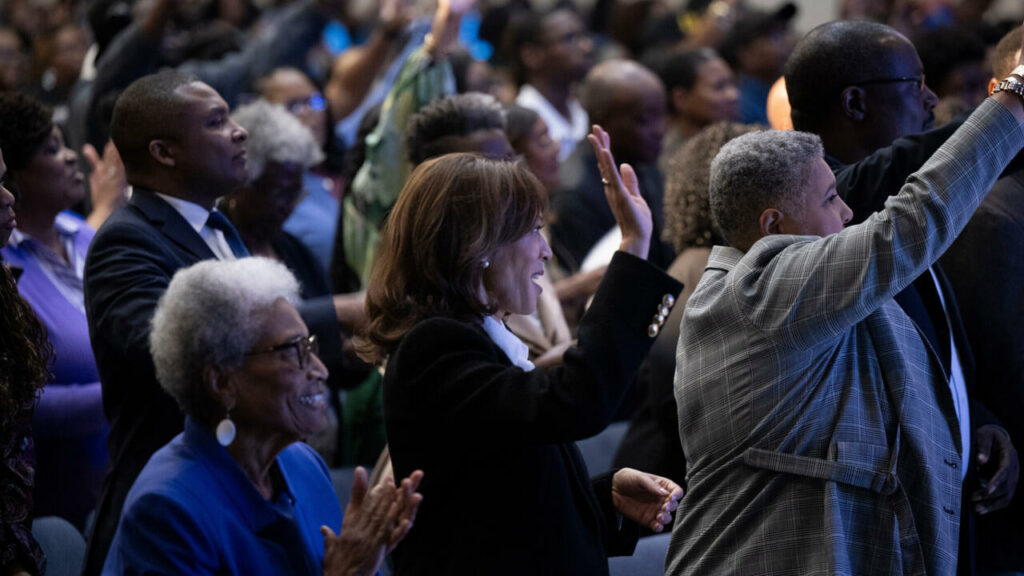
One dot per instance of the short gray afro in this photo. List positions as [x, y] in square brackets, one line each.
[211, 315]
[275, 135]
[755, 172]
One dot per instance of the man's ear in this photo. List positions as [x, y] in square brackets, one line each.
[220, 385]
[770, 222]
[162, 152]
[853, 101]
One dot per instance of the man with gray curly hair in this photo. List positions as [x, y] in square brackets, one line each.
[820, 432]
[751, 173]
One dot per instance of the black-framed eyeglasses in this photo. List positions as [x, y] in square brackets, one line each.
[919, 80]
[305, 346]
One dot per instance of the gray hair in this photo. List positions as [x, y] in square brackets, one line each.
[755, 172]
[211, 315]
[275, 135]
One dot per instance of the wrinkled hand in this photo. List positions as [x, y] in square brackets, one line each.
[623, 193]
[644, 498]
[998, 488]
[375, 521]
[108, 183]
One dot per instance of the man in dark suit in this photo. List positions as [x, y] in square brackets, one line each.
[181, 151]
[629, 102]
[986, 267]
[861, 88]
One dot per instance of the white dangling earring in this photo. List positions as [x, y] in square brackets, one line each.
[487, 264]
[226, 431]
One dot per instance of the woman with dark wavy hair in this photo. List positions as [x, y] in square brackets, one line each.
[461, 251]
[24, 369]
[49, 246]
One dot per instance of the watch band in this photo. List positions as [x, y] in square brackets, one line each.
[1011, 84]
[1018, 71]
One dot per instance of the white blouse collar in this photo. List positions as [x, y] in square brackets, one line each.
[509, 343]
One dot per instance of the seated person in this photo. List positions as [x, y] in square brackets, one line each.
[279, 149]
[315, 217]
[49, 246]
[237, 492]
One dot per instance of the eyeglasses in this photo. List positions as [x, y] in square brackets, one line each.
[919, 80]
[305, 346]
[314, 102]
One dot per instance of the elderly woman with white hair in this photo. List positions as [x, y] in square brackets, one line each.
[279, 149]
[237, 492]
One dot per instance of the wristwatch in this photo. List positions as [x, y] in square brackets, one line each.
[1012, 84]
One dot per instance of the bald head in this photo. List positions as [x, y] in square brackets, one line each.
[833, 56]
[628, 100]
[858, 85]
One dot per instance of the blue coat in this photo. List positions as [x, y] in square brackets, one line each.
[193, 510]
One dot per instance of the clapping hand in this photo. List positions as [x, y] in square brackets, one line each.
[646, 499]
[623, 193]
[375, 521]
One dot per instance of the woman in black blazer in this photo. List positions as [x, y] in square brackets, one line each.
[505, 489]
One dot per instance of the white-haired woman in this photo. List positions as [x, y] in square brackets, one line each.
[280, 149]
[236, 492]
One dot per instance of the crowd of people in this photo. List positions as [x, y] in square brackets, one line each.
[245, 244]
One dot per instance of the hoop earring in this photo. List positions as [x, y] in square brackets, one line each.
[226, 431]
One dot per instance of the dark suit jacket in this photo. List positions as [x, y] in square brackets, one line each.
[130, 263]
[505, 490]
[581, 212]
[986, 269]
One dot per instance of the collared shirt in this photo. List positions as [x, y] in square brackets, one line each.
[65, 276]
[508, 342]
[567, 132]
[196, 217]
[957, 386]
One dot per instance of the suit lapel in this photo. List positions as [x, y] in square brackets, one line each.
[171, 224]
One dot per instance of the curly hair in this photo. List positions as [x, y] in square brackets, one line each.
[431, 129]
[25, 352]
[757, 171]
[275, 136]
[451, 216]
[27, 123]
[688, 221]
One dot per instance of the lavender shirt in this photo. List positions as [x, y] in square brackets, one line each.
[69, 426]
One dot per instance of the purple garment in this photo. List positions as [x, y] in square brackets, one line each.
[69, 425]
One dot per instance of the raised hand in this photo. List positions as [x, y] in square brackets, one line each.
[646, 499]
[108, 183]
[623, 193]
[445, 28]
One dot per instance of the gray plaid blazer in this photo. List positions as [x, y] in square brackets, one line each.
[818, 434]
